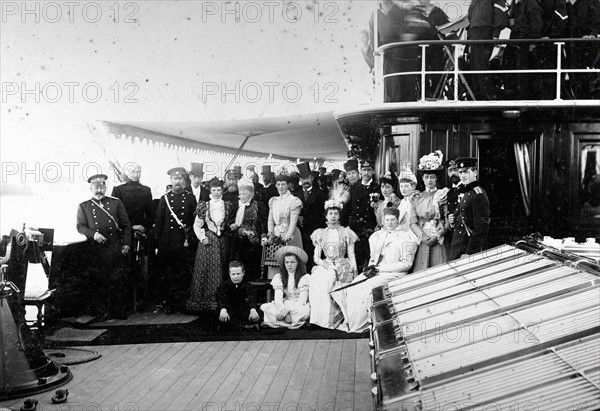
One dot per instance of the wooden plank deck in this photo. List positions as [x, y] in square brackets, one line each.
[231, 375]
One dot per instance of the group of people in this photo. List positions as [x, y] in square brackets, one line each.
[401, 21]
[329, 237]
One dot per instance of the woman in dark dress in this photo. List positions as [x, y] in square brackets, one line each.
[213, 219]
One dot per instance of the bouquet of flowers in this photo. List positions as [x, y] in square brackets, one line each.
[431, 161]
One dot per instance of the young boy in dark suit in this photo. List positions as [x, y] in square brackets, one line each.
[236, 300]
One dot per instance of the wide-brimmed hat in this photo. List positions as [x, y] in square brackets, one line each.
[291, 249]
[431, 163]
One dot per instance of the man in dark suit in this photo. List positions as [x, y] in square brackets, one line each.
[249, 227]
[471, 220]
[172, 229]
[137, 199]
[196, 174]
[103, 220]
[359, 214]
[312, 215]
[269, 189]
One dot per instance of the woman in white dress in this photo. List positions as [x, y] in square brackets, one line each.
[392, 255]
[335, 265]
[409, 195]
[284, 211]
[291, 308]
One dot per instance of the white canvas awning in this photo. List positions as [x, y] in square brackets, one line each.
[305, 136]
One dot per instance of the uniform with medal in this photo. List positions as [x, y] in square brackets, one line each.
[103, 220]
[472, 216]
[173, 225]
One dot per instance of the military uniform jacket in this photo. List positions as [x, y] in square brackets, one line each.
[372, 188]
[529, 20]
[167, 231]
[360, 213]
[556, 18]
[473, 222]
[490, 14]
[453, 197]
[584, 18]
[91, 219]
[137, 199]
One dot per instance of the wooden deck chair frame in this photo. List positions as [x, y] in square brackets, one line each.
[459, 27]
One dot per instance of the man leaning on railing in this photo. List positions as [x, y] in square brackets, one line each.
[487, 18]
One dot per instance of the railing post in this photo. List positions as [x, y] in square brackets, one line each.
[423, 70]
[379, 86]
[455, 72]
[558, 69]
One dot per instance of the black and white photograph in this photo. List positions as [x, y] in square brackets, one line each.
[300, 205]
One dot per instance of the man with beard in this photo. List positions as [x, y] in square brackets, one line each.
[173, 227]
[359, 214]
[472, 214]
[311, 215]
[232, 177]
[456, 188]
[249, 227]
[103, 220]
[196, 174]
[137, 199]
[366, 175]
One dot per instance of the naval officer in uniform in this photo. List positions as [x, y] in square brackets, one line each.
[471, 220]
[173, 229]
[103, 220]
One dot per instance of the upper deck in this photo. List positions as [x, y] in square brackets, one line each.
[535, 129]
[422, 77]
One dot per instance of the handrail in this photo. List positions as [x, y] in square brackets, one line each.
[492, 41]
[453, 53]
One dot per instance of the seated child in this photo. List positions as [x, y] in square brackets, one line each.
[290, 308]
[236, 299]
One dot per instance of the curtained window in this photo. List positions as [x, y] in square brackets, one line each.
[589, 179]
[524, 169]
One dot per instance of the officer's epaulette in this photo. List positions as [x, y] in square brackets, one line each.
[478, 190]
[114, 198]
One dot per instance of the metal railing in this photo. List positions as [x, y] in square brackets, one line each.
[562, 68]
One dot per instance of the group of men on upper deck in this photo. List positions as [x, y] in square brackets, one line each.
[402, 21]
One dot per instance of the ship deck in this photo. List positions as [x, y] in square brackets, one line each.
[317, 374]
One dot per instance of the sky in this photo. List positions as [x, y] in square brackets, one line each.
[65, 64]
